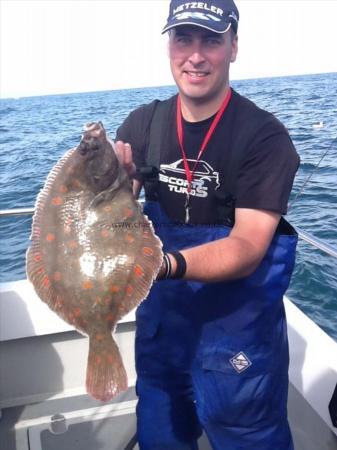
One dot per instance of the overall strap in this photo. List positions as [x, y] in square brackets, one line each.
[150, 172]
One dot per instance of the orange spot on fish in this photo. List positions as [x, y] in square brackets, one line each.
[105, 233]
[128, 212]
[107, 208]
[50, 237]
[98, 300]
[37, 257]
[88, 284]
[138, 270]
[129, 290]
[98, 360]
[76, 183]
[129, 238]
[77, 312]
[147, 251]
[114, 288]
[63, 188]
[41, 270]
[99, 337]
[110, 317]
[73, 244]
[57, 201]
[57, 276]
[46, 281]
[109, 358]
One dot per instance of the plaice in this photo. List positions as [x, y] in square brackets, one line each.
[93, 255]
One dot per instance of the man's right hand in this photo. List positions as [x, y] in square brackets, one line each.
[124, 154]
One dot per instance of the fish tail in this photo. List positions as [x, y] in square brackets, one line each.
[106, 375]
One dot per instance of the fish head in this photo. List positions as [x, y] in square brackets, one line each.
[98, 157]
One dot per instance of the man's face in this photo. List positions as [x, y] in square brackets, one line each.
[200, 61]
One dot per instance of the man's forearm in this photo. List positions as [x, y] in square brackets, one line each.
[225, 259]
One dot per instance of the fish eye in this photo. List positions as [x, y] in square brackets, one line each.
[95, 147]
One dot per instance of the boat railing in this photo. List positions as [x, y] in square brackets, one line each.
[307, 237]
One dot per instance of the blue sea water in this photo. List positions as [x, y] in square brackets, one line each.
[35, 132]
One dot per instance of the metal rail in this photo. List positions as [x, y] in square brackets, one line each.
[317, 243]
[307, 237]
[16, 212]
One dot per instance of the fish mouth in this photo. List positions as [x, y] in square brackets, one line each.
[89, 146]
[93, 138]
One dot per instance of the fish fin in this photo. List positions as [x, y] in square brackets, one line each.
[43, 283]
[145, 267]
[38, 276]
[35, 264]
[44, 286]
[106, 375]
[43, 197]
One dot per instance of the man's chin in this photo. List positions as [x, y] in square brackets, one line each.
[197, 97]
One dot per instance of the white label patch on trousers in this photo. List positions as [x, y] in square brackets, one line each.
[240, 362]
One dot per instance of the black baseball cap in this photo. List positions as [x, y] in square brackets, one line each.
[214, 15]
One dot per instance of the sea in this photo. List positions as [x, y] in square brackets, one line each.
[36, 131]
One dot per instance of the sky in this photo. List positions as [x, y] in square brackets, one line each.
[67, 46]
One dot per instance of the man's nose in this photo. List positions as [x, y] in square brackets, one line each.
[196, 56]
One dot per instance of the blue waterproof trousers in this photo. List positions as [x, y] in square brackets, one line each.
[214, 356]
[237, 411]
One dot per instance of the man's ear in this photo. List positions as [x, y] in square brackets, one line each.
[234, 48]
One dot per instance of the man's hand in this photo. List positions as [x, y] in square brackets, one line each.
[124, 154]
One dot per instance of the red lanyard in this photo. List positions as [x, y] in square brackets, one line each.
[189, 173]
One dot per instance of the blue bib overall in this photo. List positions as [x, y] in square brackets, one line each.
[214, 356]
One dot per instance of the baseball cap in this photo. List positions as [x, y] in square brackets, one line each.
[214, 15]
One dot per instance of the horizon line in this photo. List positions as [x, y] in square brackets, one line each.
[14, 97]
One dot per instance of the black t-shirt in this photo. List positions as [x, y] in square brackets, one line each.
[265, 175]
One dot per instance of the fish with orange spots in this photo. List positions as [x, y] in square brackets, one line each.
[94, 255]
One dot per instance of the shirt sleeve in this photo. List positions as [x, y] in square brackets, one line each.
[267, 173]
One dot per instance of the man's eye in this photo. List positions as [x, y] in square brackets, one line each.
[183, 40]
[213, 42]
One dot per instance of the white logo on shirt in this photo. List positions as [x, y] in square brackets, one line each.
[203, 178]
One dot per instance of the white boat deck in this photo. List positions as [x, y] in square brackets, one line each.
[42, 369]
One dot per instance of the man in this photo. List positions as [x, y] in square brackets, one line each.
[211, 344]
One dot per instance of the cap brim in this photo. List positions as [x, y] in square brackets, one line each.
[220, 29]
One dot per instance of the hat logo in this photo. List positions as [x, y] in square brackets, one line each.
[196, 15]
[198, 5]
[232, 15]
